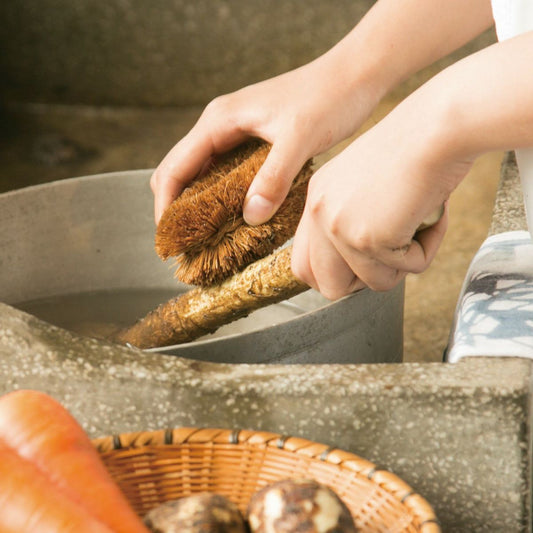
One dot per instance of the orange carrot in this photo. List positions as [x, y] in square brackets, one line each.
[43, 432]
[29, 503]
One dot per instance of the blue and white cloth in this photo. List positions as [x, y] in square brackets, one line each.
[494, 315]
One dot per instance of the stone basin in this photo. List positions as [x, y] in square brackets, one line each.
[79, 253]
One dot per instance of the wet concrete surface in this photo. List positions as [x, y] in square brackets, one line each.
[41, 143]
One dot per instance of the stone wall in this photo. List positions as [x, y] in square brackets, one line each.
[164, 53]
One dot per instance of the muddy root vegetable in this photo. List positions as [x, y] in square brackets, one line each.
[204, 309]
[44, 433]
[298, 506]
[200, 513]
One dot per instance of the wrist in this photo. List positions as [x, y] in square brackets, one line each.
[361, 68]
[355, 80]
[422, 132]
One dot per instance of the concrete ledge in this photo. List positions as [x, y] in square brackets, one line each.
[509, 212]
[459, 434]
[171, 52]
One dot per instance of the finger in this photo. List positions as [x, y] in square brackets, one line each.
[333, 275]
[371, 272]
[300, 264]
[182, 163]
[383, 271]
[179, 167]
[209, 136]
[317, 261]
[431, 238]
[273, 181]
[416, 254]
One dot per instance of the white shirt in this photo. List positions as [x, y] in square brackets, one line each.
[513, 17]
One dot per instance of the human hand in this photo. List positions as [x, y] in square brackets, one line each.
[301, 113]
[306, 111]
[364, 207]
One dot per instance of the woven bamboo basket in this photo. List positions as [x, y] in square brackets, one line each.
[152, 467]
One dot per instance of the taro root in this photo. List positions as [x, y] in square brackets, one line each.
[298, 505]
[206, 512]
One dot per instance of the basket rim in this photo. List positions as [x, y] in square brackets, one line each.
[415, 503]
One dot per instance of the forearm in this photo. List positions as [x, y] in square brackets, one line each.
[398, 38]
[482, 103]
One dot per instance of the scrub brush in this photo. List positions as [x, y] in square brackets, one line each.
[216, 250]
[205, 230]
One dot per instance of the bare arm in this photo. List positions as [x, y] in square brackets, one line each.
[396, 38]
[306, 111]
[363, 208]
[490, 97]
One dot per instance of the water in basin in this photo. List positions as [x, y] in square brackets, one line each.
[101, 313]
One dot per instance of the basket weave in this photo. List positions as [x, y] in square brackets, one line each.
[152, 467]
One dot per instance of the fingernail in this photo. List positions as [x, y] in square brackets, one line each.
[257, 210]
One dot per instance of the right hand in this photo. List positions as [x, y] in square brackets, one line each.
[300, 113]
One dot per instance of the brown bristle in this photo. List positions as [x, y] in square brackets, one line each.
[204, 228]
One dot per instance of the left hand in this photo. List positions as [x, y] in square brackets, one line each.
[359, 226]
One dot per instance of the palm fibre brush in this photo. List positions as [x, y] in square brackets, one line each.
[216, 250]
[205, 230]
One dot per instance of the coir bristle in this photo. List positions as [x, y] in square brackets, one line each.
[204, 227]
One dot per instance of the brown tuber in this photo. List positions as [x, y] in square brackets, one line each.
[298, 506]
[203, 310]
[205, 512]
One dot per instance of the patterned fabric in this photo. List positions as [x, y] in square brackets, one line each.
[494, 314]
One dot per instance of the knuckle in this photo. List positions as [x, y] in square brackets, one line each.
[271, 177]
[294, 123]
[315, 205]
[315, 198]
[271, 189]
[336, 225]
[332, 293]
[154, 179]
[385, 283]
[418, 268]
[219, 106]
[364, 242]
[214, 105]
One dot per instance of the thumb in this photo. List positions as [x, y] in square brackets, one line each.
[272, 183]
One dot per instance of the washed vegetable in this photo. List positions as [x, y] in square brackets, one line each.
[298, 506]
[206, 512]
[37, 434]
